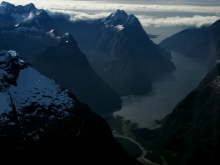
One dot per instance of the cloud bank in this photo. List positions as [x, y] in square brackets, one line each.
[146, 21]
[109, 6]
[81, 10]
[196, 20]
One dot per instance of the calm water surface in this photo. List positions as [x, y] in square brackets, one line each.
[166, 94]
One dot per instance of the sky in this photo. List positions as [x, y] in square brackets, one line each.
[160, 17]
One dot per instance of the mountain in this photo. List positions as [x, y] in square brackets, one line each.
[74, 72]
[11, 15]
[118, 45]
[198, 43]
[192, 42]
[190, 134]
[22, 86]
[43, 122]
[57, 55]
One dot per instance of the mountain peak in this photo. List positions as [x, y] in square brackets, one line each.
[10, 64]
[119, 14]
[117, 17]
[38, 19]
[215, 26]
[6, 4]
[18, 13]
[5, 7]
[30, 6]
[26, 8]
[120, 18]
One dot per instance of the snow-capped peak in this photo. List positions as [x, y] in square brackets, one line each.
[119, 27]
[119, 15]
[38, 19]
[38, 15]
[17, 13]
[119, 20]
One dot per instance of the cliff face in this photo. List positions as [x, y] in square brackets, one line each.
[66, 64]
[190, 134]
[42, 122]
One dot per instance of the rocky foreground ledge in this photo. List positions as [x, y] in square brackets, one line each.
[41, 121]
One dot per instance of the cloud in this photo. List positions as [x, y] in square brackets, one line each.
[79, 15]
[81, 10]
[196, 20]
[84, 16]
[146, 21]
[90, 6]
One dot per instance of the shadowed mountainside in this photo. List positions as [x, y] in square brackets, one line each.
[120, 51]
[32, 33]
[42, 122]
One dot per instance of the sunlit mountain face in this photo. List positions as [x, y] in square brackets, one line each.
[160, 18]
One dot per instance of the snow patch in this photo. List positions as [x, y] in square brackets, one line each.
[32, 87]
[25, 86]
[119, 27]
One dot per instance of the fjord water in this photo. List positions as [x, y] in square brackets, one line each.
[145, 110]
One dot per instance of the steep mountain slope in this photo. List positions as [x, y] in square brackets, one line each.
[40, 121]
[191, 42]
[76, 74]
[118, 45]
[11, 15]
[198, 43]
[35, 38]
[26, 92]
[22, 87]
[215, 29]
[190, 134]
